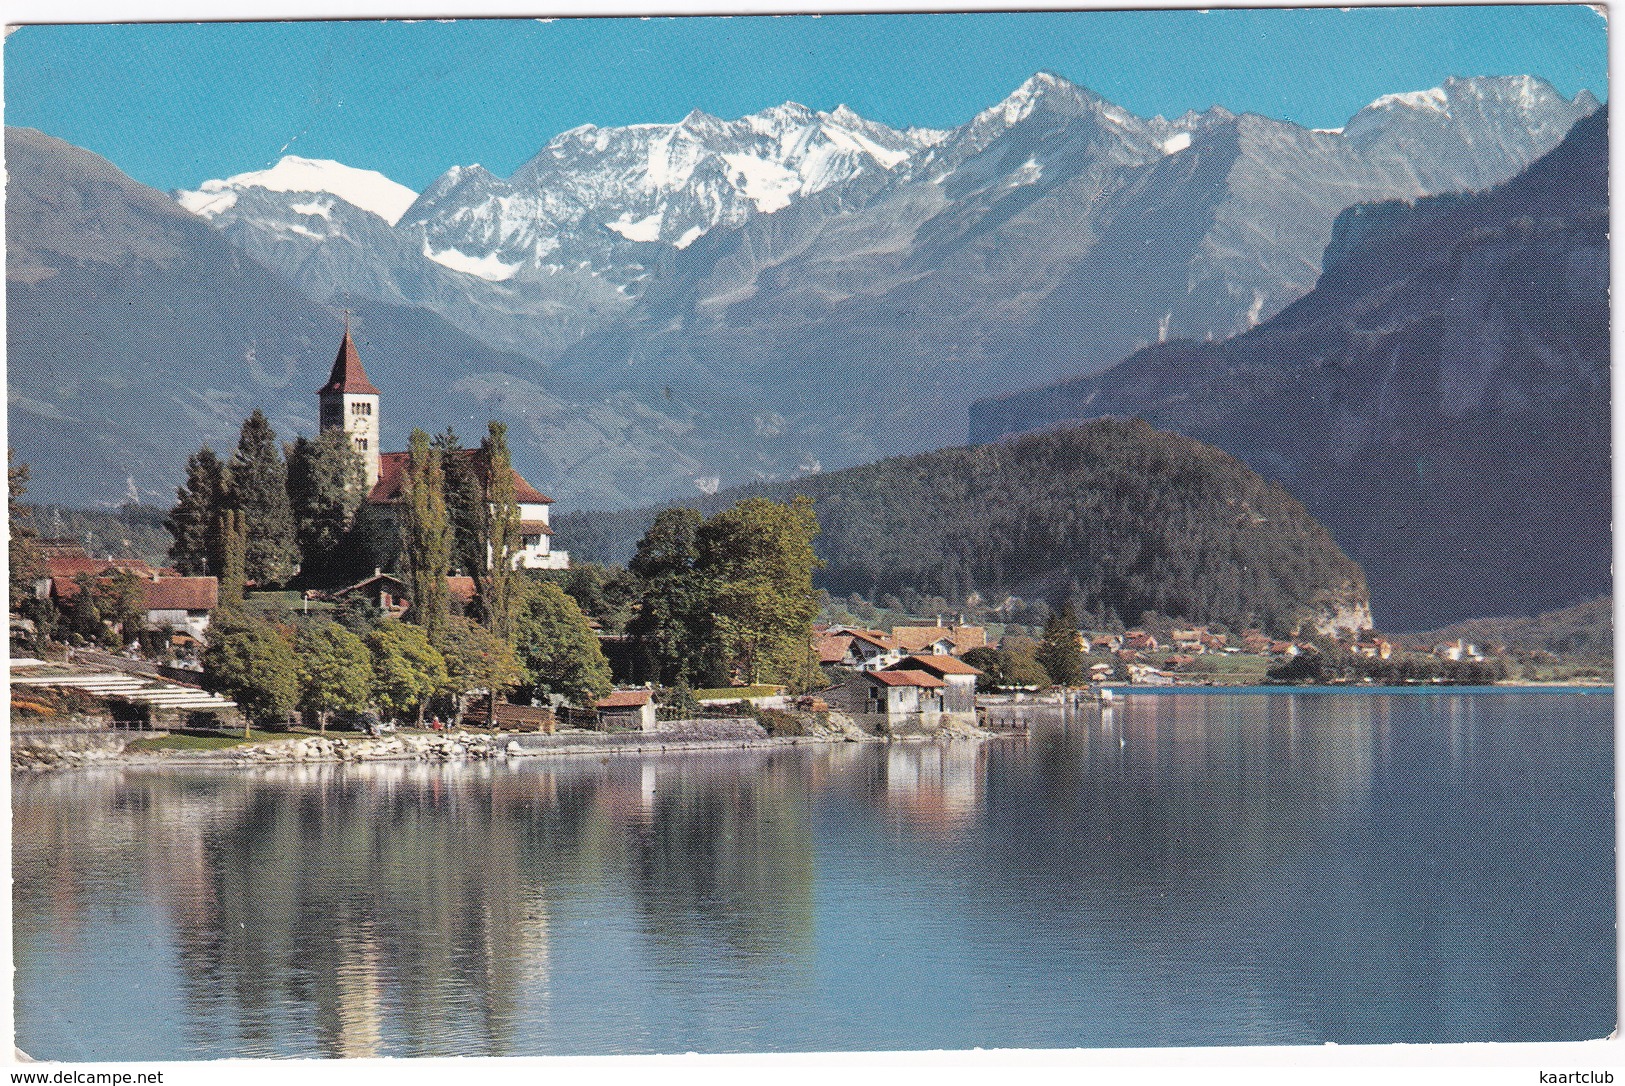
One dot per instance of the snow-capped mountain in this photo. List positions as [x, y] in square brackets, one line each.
[368, 190]
[851, 286]
[592, 189]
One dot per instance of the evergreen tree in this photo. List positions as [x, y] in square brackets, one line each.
[496, 580]
[407, 670]
[194, 522]
[559, 651]
[259, 488]
[426, 536]
[249, 661]
[1059, 653]
[465, 505]
[335, 671]
[326, 483]
[758, 555]
[672, 624]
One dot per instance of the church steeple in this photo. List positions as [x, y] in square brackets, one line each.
[349, 402]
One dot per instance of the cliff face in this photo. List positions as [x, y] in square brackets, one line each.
[1439, 401]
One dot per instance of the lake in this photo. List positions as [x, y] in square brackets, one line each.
[1215, 869]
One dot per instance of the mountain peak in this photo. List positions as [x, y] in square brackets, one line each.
[368, 190]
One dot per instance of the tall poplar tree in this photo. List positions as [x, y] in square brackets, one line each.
[326, 484]
[465, 505]
[232, 534]
[259, 488]
[1059, 652]
[498, 598]
[194, 522]
[426, 536]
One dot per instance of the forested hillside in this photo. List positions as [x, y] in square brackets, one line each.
[1113, 516]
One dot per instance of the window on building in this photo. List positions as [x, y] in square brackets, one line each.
[361, 408]
[361, 443]
[530, 542]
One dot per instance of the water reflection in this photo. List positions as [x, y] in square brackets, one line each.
[1170, 870]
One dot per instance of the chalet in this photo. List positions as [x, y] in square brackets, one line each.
[866, 650]
[959, 693]
[62, 570]
[181, 605]
[1139, 641]
[1371, 645]
[939, 640]
[1189, 640]
[350, 402]
[1105, 643]
[392, 595]
[627, 710]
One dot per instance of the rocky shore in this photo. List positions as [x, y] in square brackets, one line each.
[37, 753]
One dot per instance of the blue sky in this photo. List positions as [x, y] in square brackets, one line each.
[175, 104]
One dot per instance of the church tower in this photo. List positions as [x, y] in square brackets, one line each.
[350, 402]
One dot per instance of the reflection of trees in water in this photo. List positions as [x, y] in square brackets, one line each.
[722, 854]
[399, 902]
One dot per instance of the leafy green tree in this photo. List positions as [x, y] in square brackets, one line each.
[498, 599]
[120, 598]
[194, 522]
[1059, 653]
[407, 670]
[557, 647]
[326, 483]
[335, 671]
[426, 536]
[249, 661]
[259, 488]
[991, 663]
[478, 661]
[758, 556]
[673, 620]
[1020, 661]
[605, 593]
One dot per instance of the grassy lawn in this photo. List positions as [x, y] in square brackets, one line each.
[202, 741]
[734, 693]
[1237, 669]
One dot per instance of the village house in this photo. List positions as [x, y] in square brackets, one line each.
[939, 640]
[865, 650]
[350, 402]
[1104, 643]
[627, 710]
[1139, 641]
[391, 594]
[1189, 640]
[890, 702]
[959, 693]
[1371, 645]
[181, 605]
[1457, 650]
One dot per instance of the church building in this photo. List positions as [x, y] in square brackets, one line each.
[349, 401]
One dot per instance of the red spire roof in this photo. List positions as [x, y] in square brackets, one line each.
[348, 375]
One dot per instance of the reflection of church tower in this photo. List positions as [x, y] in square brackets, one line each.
[350, 402]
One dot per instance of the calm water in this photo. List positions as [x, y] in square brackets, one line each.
[1178, 870]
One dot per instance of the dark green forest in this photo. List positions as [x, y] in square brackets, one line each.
[1113, 517]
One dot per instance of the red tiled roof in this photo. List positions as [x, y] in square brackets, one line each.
[460, 587]
[348, 374]
[907, 678]
[880, 640]
[181, 594]
[534, 527]
[832, 648]
[392, 477]
[941, 665]
[624, 699]
[63, 570]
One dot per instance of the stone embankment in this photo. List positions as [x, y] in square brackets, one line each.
[711, 734]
